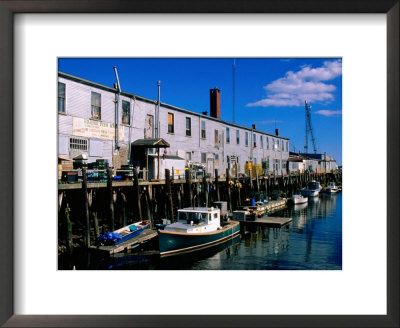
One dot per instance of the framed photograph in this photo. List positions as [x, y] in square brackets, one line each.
[265, 59]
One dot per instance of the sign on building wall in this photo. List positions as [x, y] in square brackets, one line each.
[95, 129]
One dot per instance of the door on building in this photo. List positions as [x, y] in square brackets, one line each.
[210, 166]
[149, 127]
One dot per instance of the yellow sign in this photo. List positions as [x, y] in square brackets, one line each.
[95, 129]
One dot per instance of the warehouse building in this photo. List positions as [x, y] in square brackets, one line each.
[103, 122]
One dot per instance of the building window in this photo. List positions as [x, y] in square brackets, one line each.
[237, 137]
[96, 105]
[170, 123]
[246, 139]
[126, 112]
[77, 143]
[216, 156]
[283, 145]
[61, 97]
[276, 165]
[203, 157]
[188, 127]
[228, 136]
[287, 145]
[216, 138]
[188, 156]
[277, 144]
[254, 140]
[265, 164]
[261, 142]
[267, 143]
[203, 129]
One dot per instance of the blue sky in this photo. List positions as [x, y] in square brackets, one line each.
[269, 92]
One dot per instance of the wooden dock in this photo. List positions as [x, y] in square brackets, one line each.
[271, 221]
[125, 246]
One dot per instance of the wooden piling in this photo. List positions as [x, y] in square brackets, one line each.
[257, 181]
[168, 190]
[217, 185]
[228, 188]
[137, 209]
[188, 189]
[266, 186]
[96, 225]
[123, 209]
[68, 229]
[110, 199]
[86, 208]
[150, 207]
[205, 191]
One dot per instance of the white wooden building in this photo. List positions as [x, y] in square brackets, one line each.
[88, 123]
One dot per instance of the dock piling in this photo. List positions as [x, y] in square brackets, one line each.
[86, 208]
[217, 185]
[110, 198]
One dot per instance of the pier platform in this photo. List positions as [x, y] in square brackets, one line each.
[271, 221]
[125, 246]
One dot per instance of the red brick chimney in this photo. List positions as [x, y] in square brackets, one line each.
[215, 103]
[253, 126]
[277, 132]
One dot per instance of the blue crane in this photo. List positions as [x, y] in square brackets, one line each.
[309, 130]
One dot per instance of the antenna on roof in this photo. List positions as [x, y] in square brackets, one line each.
[116, 101]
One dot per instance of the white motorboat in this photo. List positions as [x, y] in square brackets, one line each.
[312, 189]
[298, 199]
[331, 188]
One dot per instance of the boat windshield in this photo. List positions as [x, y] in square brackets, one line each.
[197, 218]
[313, 185]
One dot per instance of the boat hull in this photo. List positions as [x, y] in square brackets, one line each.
[172, 243]
[131, 235]
[299, 200]
[310, 193]
[332, 190]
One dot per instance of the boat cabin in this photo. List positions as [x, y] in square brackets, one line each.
[196, 220]
[314, 185]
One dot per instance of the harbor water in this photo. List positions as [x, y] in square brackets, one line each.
[312, 241]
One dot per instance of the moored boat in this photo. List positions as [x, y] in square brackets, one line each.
[331, 188]
[196, 228]
[123, 234]
[312, 189]
[298, 199]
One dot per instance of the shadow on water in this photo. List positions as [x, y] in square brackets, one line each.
[88, 261]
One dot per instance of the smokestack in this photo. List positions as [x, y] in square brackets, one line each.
[253, 126]
[277, 132]
[215, 103]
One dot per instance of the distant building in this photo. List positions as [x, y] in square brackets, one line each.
[319, 163]
[325, 163]
[88, 124]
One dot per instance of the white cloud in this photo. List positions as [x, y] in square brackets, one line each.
[326, 112]
[305, 84]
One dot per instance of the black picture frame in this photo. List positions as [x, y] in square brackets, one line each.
[11, 7]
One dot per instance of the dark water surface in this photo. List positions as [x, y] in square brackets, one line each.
[312, 241]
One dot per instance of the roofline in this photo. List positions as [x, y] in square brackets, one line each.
[131, 95]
